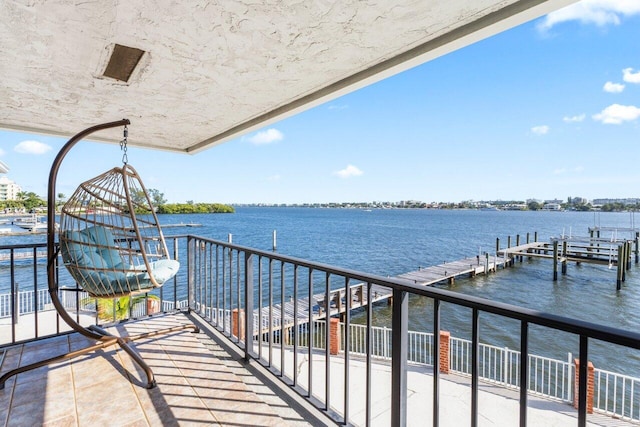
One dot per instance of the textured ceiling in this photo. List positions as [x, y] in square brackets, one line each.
[214, 70]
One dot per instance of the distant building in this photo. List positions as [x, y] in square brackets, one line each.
[514, 207]
[601, 202]
[553, 201]
[551, 206]
[579, 201]
[8, 189]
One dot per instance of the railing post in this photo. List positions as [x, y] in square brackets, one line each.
[505, 366]
[248, 306]
[582, 386]
[475, 365]
[436, 365]
[399, 353]
[570, 378]
[524, 371]
[190, 273]
[16, 304]
[555, 260]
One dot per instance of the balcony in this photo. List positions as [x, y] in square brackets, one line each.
[256, 369]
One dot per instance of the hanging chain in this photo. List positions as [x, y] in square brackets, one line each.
[123, 146]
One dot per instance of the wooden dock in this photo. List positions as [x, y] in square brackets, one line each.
[283, 315]
[591, 250]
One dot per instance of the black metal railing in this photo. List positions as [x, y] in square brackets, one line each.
[258, 297]
[274, 307]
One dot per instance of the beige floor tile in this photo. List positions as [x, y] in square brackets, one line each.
[164, 418]
[106, 387]
[107, 403]
[66, 421]
[30, 414]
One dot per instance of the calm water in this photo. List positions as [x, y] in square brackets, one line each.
[391, 242]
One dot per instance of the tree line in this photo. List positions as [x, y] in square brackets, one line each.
[30, 201]
[25, 200]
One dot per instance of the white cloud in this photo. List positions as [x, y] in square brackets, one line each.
[348, 172]
[629, 76]
[613, 87]
[598, 12]
[31, 147]
[616, 114]
[266, 137]
[562, 171]
[2, 152]
[274, 178]
[540, 130]
[574, 119]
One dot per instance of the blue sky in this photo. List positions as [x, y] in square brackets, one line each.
[550, 109]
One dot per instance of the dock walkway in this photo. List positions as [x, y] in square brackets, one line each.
[449, 271]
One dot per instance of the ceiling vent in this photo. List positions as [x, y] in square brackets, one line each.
[123, 61]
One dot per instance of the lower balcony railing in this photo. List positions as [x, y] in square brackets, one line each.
[275, 308]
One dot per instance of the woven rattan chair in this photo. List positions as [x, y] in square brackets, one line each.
[110, 238]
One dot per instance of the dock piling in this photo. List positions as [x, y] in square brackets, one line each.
[619, 270]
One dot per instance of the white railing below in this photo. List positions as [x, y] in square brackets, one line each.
[617, 395]
[71, 300]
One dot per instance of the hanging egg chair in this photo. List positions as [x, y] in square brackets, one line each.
[110, 238]
[112, 245]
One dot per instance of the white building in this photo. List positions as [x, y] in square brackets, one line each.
[8, 189]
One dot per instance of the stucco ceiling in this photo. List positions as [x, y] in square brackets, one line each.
[214, 70]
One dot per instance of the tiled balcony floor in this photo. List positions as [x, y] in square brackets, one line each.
[198, 383]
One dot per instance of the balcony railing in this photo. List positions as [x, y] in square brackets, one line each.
[272, 307]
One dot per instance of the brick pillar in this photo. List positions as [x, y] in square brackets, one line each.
[153, 306]
[334, 335]
[444, 351]
[237, 323]
[590, 385]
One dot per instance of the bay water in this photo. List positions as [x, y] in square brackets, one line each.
[389, 242]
